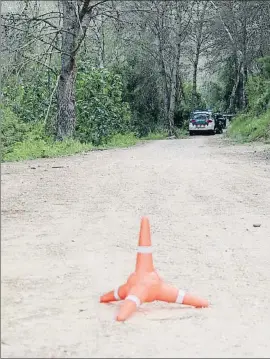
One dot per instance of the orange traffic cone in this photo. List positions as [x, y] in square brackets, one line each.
[145, 285]
[144, 261]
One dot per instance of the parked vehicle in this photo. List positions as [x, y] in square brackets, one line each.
[201, 121]
[219, 125]
[220, 122]
[221, 118]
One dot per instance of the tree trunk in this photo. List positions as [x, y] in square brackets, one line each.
[235, 86]
[244, 83]
[164, 80]
[194, 79]
[101, 52]
[171, 109]
[199, 35]
[175, 74]
[180, 93]
[99, 32]
[102, 45]
[66, 116]
[244, 70]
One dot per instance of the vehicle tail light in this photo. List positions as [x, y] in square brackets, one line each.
[209, 121]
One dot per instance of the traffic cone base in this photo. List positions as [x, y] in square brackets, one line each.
[145, 285]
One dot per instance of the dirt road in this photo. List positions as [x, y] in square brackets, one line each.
[69, 234]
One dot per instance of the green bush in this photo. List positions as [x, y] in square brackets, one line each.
[142, 92]
[101, 112]
[20, 141]
[255, 123]
[258, 91]
[13, 130]
[28, 96]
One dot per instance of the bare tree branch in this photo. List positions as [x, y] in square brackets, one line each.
[40, 62]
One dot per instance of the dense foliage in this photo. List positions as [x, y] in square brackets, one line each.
[254, 123]
[139, 71]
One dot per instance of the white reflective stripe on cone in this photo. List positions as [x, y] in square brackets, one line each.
[134, 299]
[180, 296]
[144, 249]
[116, 296]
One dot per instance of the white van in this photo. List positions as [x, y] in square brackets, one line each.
[201, 121]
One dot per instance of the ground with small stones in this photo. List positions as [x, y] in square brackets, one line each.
[70, 230]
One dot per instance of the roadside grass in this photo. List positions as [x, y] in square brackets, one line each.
[249, 128]
[40, 148]
[182, 133]
[33, 148]
[46, 147]
[120, 141]
[152, 136]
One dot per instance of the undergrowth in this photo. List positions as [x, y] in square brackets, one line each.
[39, 146]
[248, 128]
